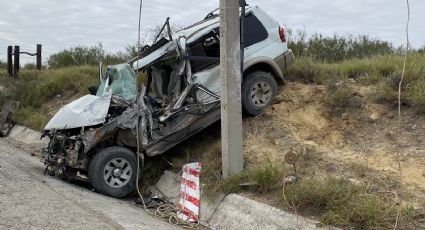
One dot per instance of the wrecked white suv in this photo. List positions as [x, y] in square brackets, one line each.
[95, 137]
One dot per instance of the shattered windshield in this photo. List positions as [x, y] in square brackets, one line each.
[122, 81]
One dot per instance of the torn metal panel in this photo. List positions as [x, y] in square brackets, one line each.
[196, 31]
[126, 137]
[155, 55]
[145, 118]
[6, 117]
[128, 120]
[71, 157]
[212, 83]
[181, 128]
[87, 111]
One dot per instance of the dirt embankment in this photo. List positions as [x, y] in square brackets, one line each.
[365, 135]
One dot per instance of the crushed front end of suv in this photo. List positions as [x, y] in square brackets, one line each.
[96, 137]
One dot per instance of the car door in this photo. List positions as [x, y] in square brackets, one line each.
[204, 55]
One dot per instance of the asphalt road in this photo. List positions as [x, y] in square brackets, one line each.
[30, 200]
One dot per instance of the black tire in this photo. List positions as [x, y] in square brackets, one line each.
[103, 161]
[250, 105]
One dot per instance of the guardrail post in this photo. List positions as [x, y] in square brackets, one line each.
[16, 61]
[38, 57]
[9, 61]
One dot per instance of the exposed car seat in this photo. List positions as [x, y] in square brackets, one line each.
[175, 82]
[160, 80]
[165, 84]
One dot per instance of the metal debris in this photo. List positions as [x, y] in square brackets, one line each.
[6, 122]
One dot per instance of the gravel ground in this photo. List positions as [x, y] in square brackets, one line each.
[30, 200]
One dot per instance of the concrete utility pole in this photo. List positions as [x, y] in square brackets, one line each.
[230, 70]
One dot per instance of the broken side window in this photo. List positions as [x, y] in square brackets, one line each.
[209, 47]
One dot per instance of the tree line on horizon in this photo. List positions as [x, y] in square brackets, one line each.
[327, 49]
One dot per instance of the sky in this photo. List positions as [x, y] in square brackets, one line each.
[61, 24]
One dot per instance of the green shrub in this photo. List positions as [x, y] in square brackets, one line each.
[26, 90]
[90, 55]
[370, 70]
[36, 88]
[31, 117]
[416, 94]
[226, 186]
[304, 70]
[336, 48]
[3, 66]
[261, 179]
[339, 96]
[371, 211]
[266, 177]
[385, 92]
[382, 71]
[356, 68]
[82, 55]
[340, 203]
[317, 194]
[308, 71]
[78, 55]
[65, 81]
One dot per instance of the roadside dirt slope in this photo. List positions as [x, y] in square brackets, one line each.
[365, 134]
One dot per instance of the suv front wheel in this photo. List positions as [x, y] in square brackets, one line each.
[258, 92]
[113, 172]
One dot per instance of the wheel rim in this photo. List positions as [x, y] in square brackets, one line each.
[117, 173]
[261, 94]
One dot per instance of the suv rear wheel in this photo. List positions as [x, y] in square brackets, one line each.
[258, 92]
[113, 172]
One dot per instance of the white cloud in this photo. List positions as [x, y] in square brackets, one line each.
[61, 24]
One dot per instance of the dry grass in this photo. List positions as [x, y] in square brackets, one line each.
[339, 96]
[383, 72]
[367, 70]
[337, 201]
[35, 90]
[334, 200]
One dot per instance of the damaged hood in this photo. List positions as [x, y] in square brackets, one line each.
[87, 111]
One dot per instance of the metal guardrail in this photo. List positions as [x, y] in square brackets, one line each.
[13, 54]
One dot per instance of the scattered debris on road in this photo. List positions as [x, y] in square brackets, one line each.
[6, 122]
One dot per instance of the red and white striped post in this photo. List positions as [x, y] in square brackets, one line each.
[190, 192]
